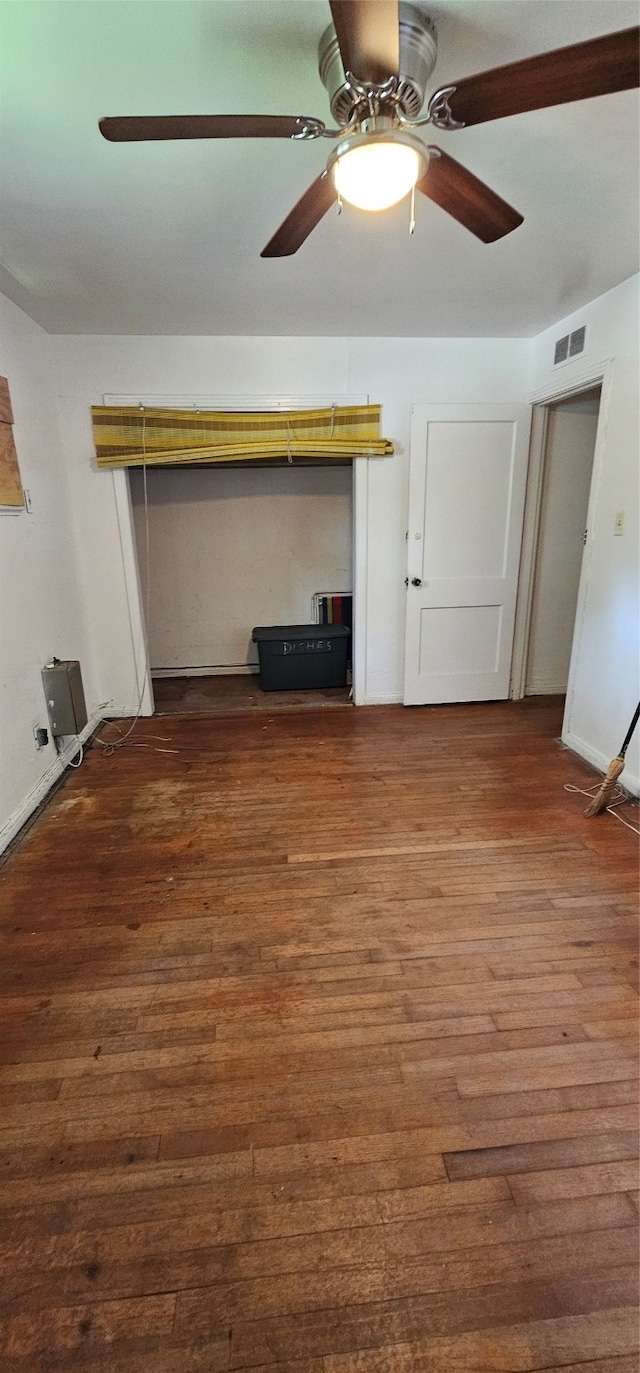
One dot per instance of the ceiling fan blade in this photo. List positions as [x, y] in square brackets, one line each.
[467, 199]
[317, 199]
[368, 37]
[142, 128]
[597, 67]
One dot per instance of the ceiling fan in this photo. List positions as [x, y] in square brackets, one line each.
[375, 60]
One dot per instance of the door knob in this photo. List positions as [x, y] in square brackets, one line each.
[416, 581]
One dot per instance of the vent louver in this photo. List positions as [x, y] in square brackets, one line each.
[576, 341]
[562, 350]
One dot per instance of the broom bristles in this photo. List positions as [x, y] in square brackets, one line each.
[605, 791]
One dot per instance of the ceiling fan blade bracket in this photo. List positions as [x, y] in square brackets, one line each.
[310, 128]
[377, 94]
[439, 111]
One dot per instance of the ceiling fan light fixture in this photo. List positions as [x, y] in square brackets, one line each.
[373, 171]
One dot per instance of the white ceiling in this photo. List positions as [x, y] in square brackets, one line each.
[165, 238]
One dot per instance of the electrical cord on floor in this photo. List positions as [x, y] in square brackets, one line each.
[618, 799]
[110, 747]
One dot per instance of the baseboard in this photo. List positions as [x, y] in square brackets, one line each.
[38, 793]
[240, 670]
[382, 699]
[127, 712]
[545, 689]
[600, 762]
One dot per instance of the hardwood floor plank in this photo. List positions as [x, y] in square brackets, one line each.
[303, 1272]
[406, 1203]
[506, 1224]
[558, 1015]
[367, 1328]
[590, 1179]
[515, 1349]
[67, 1328]
[525, 1061]
[567, 1074]
[551, 1100]
[479, 1135]
[524, 1158]
[244, 1245]
[293, 1294]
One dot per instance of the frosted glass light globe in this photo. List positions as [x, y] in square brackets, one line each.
[376, 175]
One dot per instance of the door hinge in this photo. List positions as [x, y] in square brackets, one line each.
[584, 537]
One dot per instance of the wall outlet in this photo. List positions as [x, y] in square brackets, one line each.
[41, 737]
[618, 524]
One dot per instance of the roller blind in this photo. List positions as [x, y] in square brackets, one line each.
[138, 436]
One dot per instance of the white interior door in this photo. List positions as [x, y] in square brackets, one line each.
[468, 474]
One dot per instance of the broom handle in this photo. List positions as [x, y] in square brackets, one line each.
[627, 737]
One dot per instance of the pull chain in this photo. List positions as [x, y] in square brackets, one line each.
[412, 212]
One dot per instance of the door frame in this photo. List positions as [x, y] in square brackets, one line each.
[600, 374]
[129, 548]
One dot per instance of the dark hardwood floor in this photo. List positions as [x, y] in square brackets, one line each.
[317, 1046]
[237, 692]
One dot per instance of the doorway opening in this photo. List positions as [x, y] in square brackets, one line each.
[556, 534]
[232, 547]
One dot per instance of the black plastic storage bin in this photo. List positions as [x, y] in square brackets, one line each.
[294, 657]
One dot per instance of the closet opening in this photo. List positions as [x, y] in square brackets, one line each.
[234, 546]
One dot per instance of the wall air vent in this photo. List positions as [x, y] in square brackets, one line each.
[569, 346]
[562, 350]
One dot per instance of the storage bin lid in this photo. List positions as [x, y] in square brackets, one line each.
[265, 633]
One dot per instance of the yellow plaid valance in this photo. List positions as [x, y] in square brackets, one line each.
[136, 436]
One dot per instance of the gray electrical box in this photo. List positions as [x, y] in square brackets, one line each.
[62, 682]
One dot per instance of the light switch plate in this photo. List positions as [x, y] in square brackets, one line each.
[618, 524]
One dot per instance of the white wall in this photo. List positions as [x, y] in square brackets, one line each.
[41, 607]
[395, 372]
[604, 671]
[568, 463]
[230, 549]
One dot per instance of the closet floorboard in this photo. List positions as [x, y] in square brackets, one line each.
[210, 695]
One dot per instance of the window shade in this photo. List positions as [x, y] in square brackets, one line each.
[136, 436]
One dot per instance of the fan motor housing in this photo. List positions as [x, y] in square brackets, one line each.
[418, 52]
